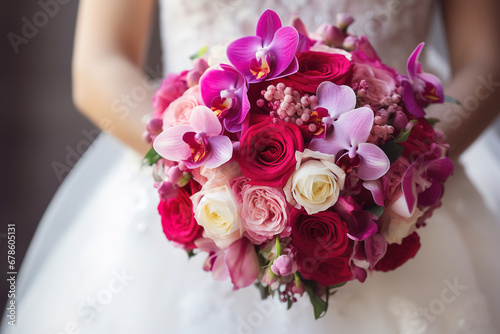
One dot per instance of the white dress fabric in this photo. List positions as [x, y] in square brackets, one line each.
[99, 262]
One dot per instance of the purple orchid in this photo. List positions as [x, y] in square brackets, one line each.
[224, 90]
[351, 129]
[270, 54]
[422, 181]
[366, 255]
[360, 223]
[420, 88]
[196, 144]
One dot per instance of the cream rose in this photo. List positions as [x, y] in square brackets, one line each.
[216, 210]
[396, 227]
[316, 182]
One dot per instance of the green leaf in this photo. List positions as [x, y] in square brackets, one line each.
[403, 135]
[336, 286]
[278, 246]
[432, 121]
[392, 150]
[289, 302]
[450, 99]
[151, 157]
[200, 53]
[191, 253]
[377, 210]
[319, 305]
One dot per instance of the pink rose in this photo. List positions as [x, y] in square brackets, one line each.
[172, 87]
[179, 111]
[263, 211]
[394, 176]
[381, 78]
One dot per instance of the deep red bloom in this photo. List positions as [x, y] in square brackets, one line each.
[397, 254]
[322, 246]
[317, 67]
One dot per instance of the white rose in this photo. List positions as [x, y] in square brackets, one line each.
[396, 227]
[217, 212]
[316, 182]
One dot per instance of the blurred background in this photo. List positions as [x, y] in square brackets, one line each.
[42, 134]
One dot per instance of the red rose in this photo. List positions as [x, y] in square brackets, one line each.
[322, 246]
[316, 67]
[177, 217]
[422, 136]
[397, 254]
[267, 152]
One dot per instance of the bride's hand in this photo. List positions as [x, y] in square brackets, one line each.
[473, 34]
[110, 48]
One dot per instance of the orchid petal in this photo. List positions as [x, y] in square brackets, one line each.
[431, 195]
[375, 249]
[269, 23]
[219, 270]
[406, 204]
[204, 120]
[328, 145]
[410, 103]
[440, 169]
[169, 143]
[283, 47]
[221, 151]
[336, 99]
[374, 162]
[242, 263]
[241, 51]
[214, 80]
[291, 69]
[366, 226]
[355, 125]
[434, 82]
[412, 65]
[376, 187]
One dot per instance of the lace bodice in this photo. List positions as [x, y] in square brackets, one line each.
[395, 27]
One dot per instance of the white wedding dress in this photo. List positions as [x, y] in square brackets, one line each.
[99, 262]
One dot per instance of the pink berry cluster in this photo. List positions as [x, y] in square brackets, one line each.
[287, 105]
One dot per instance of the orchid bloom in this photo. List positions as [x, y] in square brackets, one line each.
[351, 129]
[422, 181]
[239, 261]
[360, 223]
[420, 88]
[196, 144]
[224, 90]
[270, 54]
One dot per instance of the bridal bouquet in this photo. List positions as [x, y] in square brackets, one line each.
[297, 161]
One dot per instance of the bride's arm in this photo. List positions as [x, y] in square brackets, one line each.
[108, 82]
[473, 33]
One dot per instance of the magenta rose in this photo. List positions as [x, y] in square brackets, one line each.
[264, 212]
[267, 152]
[177, 217]
[172, 87]
[381, 79]
[316, 67]
[322, 246]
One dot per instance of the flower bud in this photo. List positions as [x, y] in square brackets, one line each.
[330, 34]
[344, 20]
[284, 266]
[200, 65]
[167, 190]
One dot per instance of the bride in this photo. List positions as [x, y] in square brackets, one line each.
[99, 262]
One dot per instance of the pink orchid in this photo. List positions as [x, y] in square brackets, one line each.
[239, 261]
[270, 54]
[196, 144]
[422, 182]
[224, 90]
[420, 88]
[351, 129]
